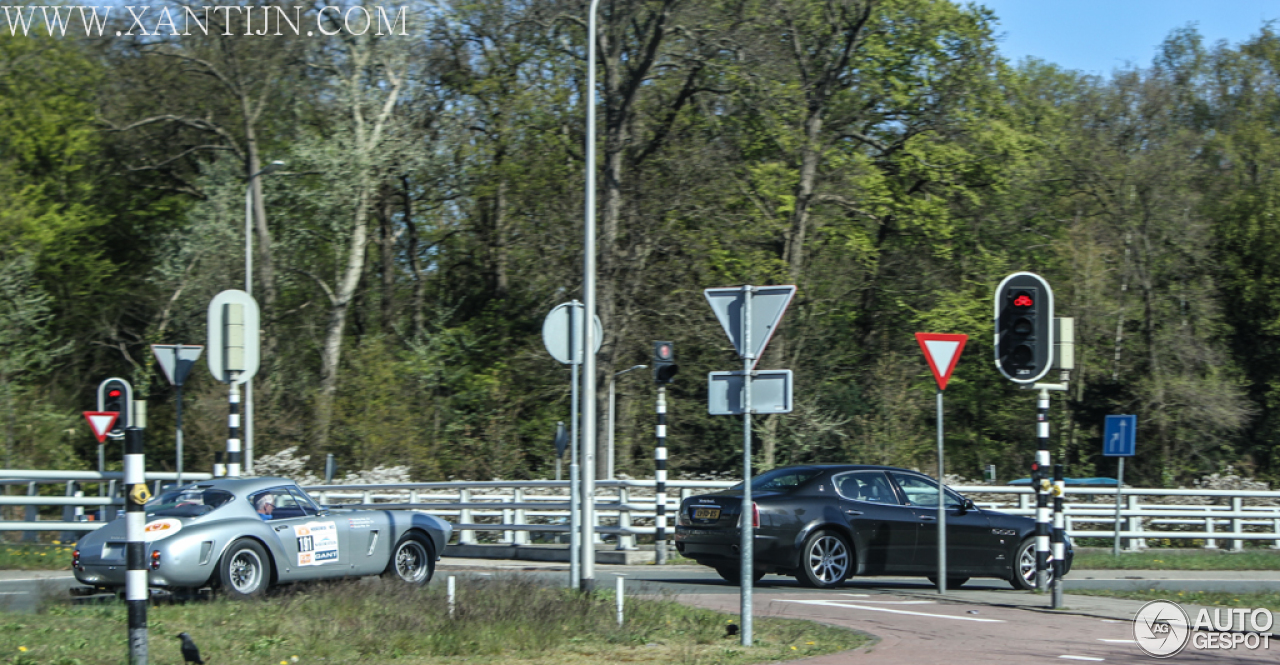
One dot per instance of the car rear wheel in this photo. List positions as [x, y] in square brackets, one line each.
[412, 561]
[734, 575]
[1024, 566]
[245, 571]
[825, 560]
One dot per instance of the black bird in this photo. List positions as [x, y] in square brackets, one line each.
[190, 652]
[730, 630]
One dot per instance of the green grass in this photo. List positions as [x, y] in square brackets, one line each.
[35, 556]
[508, 619]
[1177, 560]
[1270, 601]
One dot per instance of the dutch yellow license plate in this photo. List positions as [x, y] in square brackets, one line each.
[706, 513]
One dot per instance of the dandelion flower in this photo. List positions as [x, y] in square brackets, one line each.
[808, 642]
[284, 662]
[22, 648]
[293, 658]
[793, 648]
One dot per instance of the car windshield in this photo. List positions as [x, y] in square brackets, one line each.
[187, 502]
[781, 480]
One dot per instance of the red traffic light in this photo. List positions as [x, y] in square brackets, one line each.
[114, 392]
[1023, 300]
[664, 351]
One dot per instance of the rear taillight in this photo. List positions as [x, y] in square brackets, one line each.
[755, 515]
[155, 559]
[75, 559]
[682, 516]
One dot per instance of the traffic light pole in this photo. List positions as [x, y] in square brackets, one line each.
[1039, 477]
[660, 480]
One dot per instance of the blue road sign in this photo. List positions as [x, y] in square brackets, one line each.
[1120, 436]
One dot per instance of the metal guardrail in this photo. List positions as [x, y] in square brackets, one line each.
[513, 510]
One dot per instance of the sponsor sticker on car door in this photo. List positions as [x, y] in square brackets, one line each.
[317, 543]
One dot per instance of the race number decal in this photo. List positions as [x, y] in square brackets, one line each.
[317, 543]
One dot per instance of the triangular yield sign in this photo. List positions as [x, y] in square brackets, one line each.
[942, 351]
[101, 422]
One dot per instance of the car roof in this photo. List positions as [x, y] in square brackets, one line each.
[844, 467]
[242, 486]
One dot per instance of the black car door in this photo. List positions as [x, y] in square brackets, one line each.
[883, 528]
[971, 547]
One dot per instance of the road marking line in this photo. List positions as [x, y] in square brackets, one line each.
[1113, 621]
[1118, 641]
[857, 595]
[13, 593]
[837, 603]
[1081, 658]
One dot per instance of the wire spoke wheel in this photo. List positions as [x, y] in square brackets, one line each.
[411, 561]
[246, 571]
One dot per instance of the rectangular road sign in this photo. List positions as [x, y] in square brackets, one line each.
[1120, 436]
[771, 392]
[768, 303]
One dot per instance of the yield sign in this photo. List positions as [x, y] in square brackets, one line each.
[101, 422]
[768, 303]
[942, 351]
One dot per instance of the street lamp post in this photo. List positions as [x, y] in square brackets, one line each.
[248, 288]
[613, 409]
[588, 580]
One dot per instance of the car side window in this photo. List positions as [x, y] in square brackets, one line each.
[870, 486]
[304, 504]
[922, 491]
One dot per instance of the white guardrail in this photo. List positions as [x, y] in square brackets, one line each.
[519, 512]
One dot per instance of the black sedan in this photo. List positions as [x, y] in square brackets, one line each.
[825, 523]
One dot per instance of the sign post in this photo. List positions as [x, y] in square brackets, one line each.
[750, 316]
[177, 360]
[941, 351]
[1119, 439]
[564, 338]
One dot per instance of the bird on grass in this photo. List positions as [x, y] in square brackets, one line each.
[730, 630]
[190, 652]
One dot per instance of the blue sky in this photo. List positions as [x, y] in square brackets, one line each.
[1099, 36]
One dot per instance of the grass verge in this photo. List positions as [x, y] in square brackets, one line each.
[35, 556]
[1177, 560]
[1270, 601]
[507, 619]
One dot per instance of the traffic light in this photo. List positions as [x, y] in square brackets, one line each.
[1024, 327]
[664, 362]
[117, 395]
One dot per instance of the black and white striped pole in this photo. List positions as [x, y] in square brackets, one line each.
[664, 372]
[233, 433]
[660, 479]
[135, 581]
[233, 358]
[1041, 479]
[1059, 533]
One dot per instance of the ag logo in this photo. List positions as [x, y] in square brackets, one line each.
[1161, 628]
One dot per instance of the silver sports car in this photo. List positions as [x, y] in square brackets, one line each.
[243, 535]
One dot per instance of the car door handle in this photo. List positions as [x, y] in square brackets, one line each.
[853, 512]
[929, 517]
[282, 527]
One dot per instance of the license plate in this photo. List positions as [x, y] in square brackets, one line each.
[112, 551]
[706, 513]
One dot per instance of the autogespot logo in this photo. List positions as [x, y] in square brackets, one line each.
[1161, 628]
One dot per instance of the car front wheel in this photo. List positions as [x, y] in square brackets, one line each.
[825, 560]
[246, 569]
[411, 561]
[1024, 566]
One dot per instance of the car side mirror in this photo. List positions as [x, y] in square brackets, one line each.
[966, 506]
